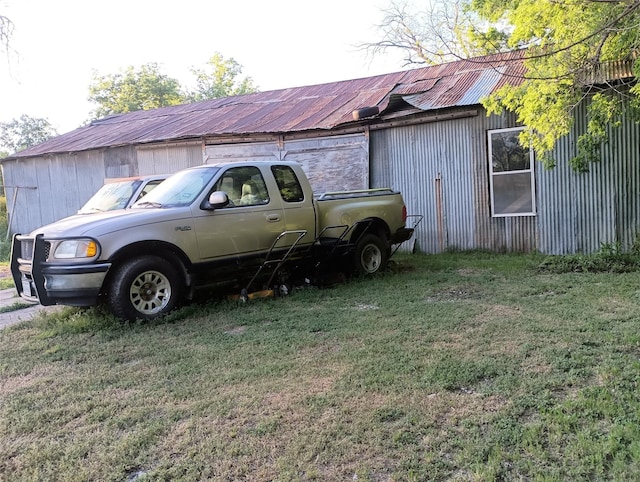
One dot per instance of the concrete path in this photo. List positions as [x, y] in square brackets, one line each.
[10, 297]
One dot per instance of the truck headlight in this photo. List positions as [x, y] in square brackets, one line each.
[76, 248]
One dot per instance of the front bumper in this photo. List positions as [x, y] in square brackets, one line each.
[50, 284]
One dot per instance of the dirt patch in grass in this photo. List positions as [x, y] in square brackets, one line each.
[454, 294]
[236, 330]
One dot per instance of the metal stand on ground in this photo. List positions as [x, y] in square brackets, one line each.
[419, 218]
[245, 294]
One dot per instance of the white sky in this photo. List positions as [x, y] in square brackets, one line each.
[279, 43]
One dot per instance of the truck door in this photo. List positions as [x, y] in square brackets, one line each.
[250, 223]
[299, 212]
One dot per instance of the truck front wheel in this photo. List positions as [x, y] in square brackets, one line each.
[371, 255]
[143, 288]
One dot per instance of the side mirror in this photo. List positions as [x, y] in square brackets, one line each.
[217, 199]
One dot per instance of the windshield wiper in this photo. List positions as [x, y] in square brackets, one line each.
[147, 204]
[91, 211]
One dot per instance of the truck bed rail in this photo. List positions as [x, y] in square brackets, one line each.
[381, 191]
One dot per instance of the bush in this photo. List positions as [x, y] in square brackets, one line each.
[5, 243]
[610, 258]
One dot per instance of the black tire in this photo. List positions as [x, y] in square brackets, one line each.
[143, 288]
[371, 255]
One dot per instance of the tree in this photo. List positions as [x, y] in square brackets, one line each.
[6, 30]
[148, 88]
[220, 79]
[19, 134]
[444, 31]
[131, 90]
[566, 43]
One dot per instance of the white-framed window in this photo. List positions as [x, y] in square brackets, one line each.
[511, 176]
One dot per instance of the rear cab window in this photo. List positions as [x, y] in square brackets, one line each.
[288, 184]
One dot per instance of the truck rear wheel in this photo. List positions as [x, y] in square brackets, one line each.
[143, 288]
[371, 255]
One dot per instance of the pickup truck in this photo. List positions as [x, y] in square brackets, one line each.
[231, 223]
[121, 193]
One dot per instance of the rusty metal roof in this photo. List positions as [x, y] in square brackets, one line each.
[297, 109]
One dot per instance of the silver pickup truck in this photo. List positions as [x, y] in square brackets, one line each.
[203, 225]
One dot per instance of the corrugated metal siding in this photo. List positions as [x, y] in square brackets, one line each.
[581, 212]
[62, 188]
[120, 161]
[66, 181]
[167, 159]
[576, 213]
[435, 178]
[450, 157]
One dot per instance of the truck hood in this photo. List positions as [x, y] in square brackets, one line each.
[111, 221]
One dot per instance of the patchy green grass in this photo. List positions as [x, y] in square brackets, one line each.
[16, 305]
[465, 366]
[6, 283]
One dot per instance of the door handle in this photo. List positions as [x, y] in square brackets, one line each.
[273, 218]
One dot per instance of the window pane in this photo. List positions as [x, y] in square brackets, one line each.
[506, 152]
[288, 184]
[244, 186]
[512, 193]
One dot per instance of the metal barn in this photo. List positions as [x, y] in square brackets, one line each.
[422, 132]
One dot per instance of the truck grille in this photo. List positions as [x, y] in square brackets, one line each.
[27, 248]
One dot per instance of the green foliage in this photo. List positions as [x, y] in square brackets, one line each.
[611, 258]
[220, 79]
[566, 41]
[538, 103]
[603, 112]
[148, 88]
[19, 134]
[131, 90]
[5, 244]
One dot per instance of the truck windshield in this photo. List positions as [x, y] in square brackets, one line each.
[180, 189]
[114, 195]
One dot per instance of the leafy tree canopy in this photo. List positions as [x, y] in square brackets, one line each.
[220, 79]
[19, 134]
[133, 89]
[566, 42]
[148, 88]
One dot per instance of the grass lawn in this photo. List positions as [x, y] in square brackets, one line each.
[451, 367]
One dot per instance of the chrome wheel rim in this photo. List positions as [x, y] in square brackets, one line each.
[150, 292]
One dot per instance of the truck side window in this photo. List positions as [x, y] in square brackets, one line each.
[151, 185]
[244, 185]
[288, 184]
